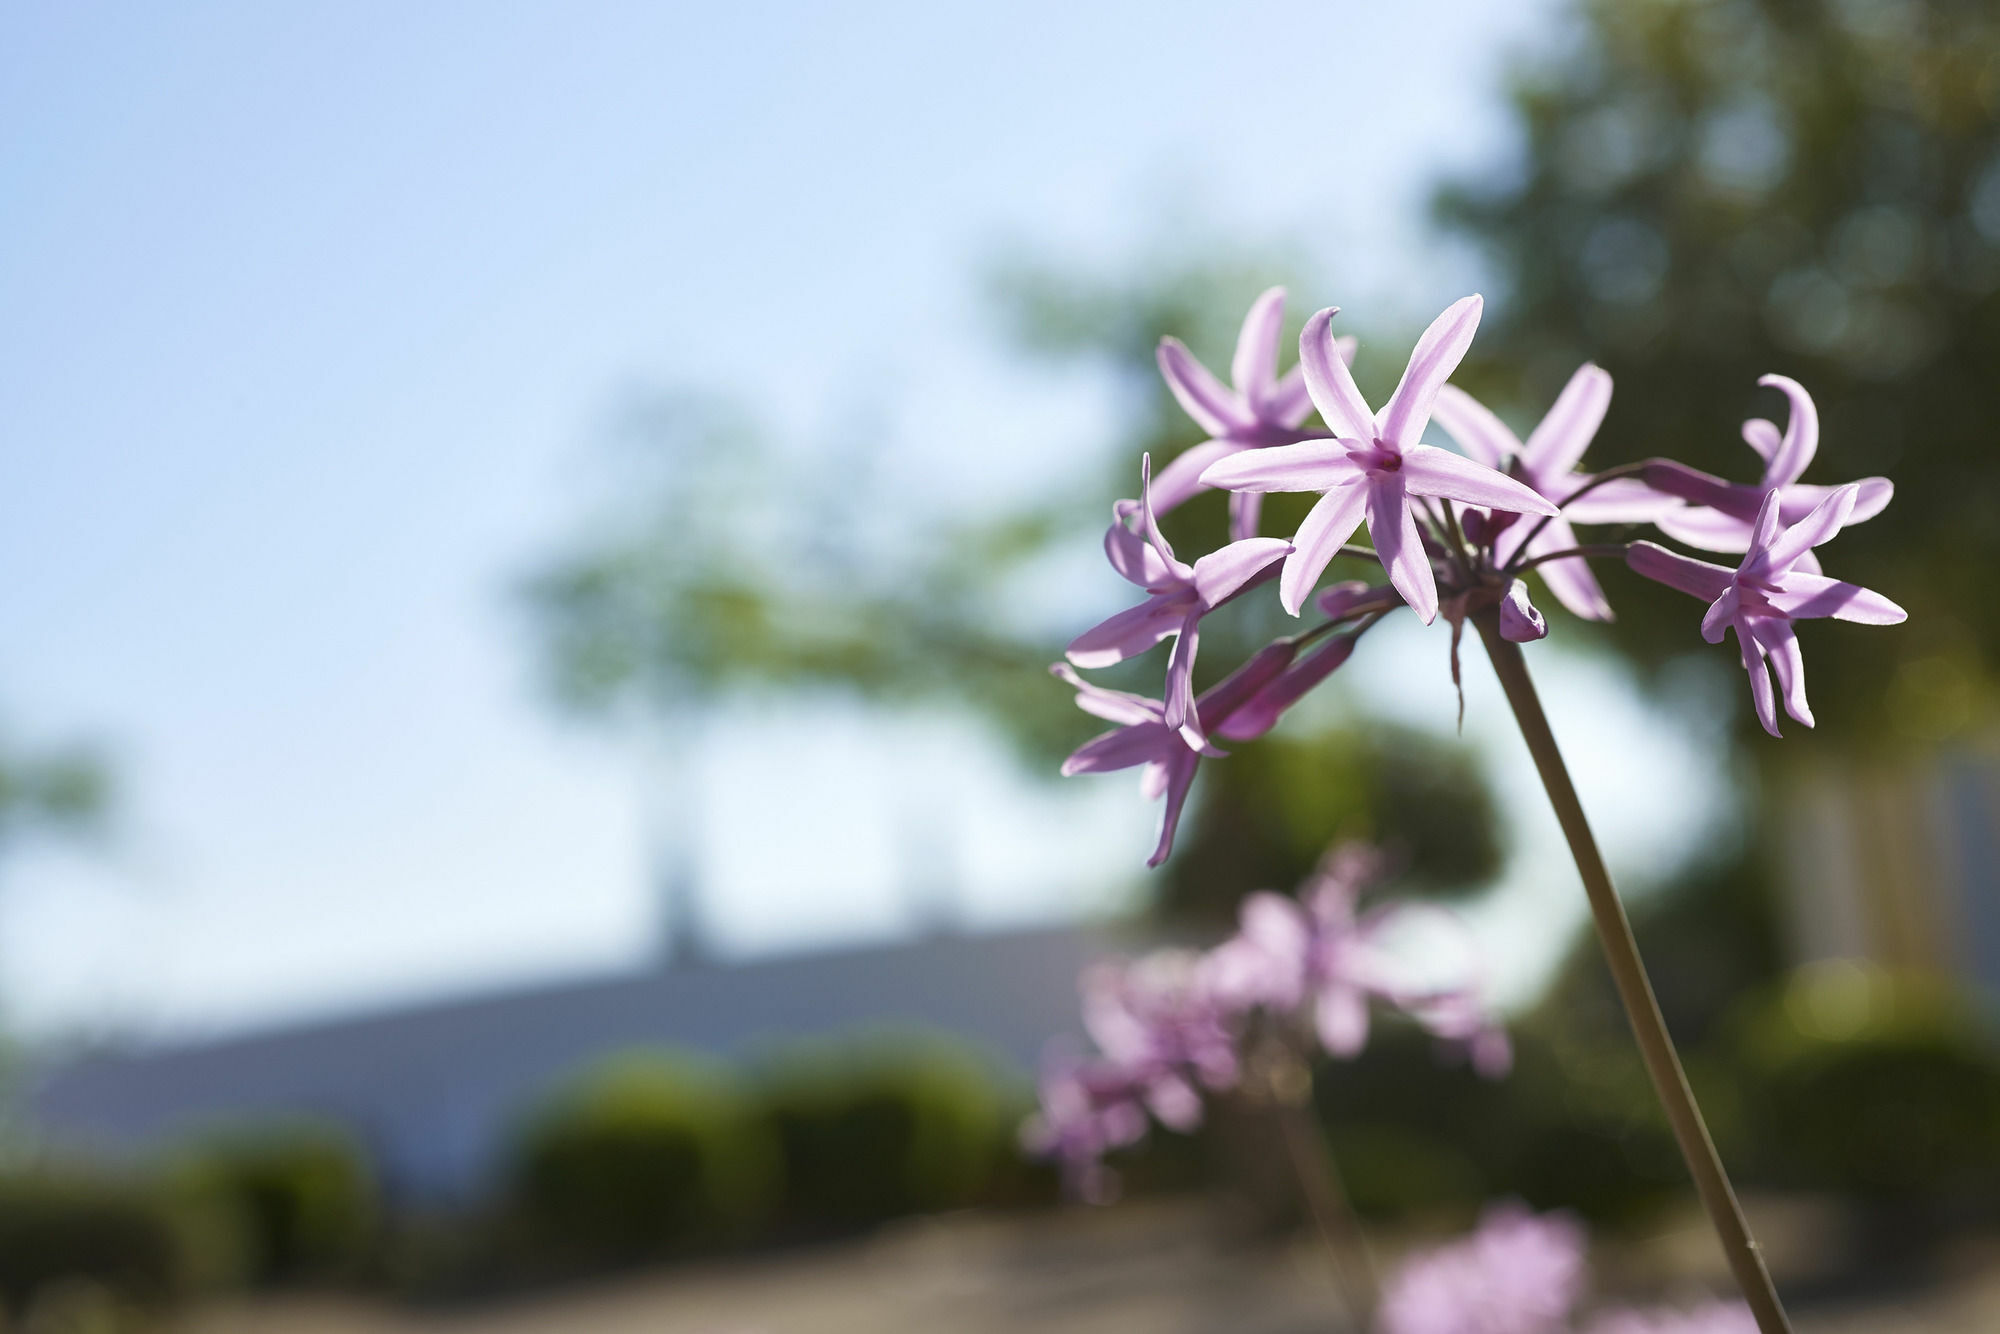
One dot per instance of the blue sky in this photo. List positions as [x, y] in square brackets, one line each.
[310, 316]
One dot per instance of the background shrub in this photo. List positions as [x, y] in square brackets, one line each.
[60, 1230]
[301, 1196]
[648, 1156]
[881, 1127]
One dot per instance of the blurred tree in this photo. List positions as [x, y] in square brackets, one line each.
[1715, 189]
[64, 790]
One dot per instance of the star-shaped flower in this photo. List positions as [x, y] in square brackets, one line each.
[1164, 755]
[1374, 466]
[1547, 462]
[1772, 588]
[1720, 514]
[1257, 410]
[1179, 595]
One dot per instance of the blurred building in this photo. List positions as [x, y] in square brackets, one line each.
[435, 1090]
[1899, 866]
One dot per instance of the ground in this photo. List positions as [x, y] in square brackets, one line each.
[1151, 1268]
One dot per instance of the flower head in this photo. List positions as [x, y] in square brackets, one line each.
[1374, 467]
[1166, 756]
[1157, 1021]
[1087, 1108]
[1178, 596]
[1318, 953]
[1722, 515]
[1257, 410]
[1774, 586]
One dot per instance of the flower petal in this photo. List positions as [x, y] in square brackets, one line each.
[1114, 706]
[1222, 574]
[1711, 530]
[1309, 465]
[1289, 404]
[1126, 634]
[1229, 694]
[1430, 471]
[1702, 488]
[1143, 743]
[1215, 409]
[1801, 439]
[1130, 553]
[1803, 596]
[1483, 436]
[1329, 523]
[1261, 712]
[1760, 678]
[1697, 578]
[1721, 615]
[1557, 444]
[1400, 547]
[1181, 479]
[1401, 421]
[1255, 367]
[1519, 621]
[1871, 497]
[1330, 383]
[1620, 500]
[1246, 512]
[1764, 529]
[1150, 524]
[1179, 773]
[1775, 636]
[1340, 1017]
[1820, 526]
[1762, 436]
[1179, 694]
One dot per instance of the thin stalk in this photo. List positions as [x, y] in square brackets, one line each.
[1289, 1079]
[1606, 549]
[1608, 475]
[1635, 989]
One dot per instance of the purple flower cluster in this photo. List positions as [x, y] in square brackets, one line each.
[1525, 1273]
[1171, 1026]
[1453, 533]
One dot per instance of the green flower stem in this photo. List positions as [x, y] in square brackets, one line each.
[1621, 951]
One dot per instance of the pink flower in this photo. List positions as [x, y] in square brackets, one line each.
[1712, 1318]
[1374, 467]
[1087, 1109]
[1772, 588]
[1722, 514]
[1259, 411]
[1157, 1021]
[1178, 596]
[1520, 1273]
[1318, 954]
[1547, 463]
[1165, 755]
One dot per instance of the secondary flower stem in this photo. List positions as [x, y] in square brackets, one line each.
[1621, 951]
[1320, 1183]
[1613, 550]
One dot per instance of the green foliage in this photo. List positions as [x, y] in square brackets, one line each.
[1269, 813]
[1715, 189]
[300, 1195]
[1870, 1083]
[1572, 1126]
[62, 791]
[883, 1128]
[59, 1230]
[649, 1156]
